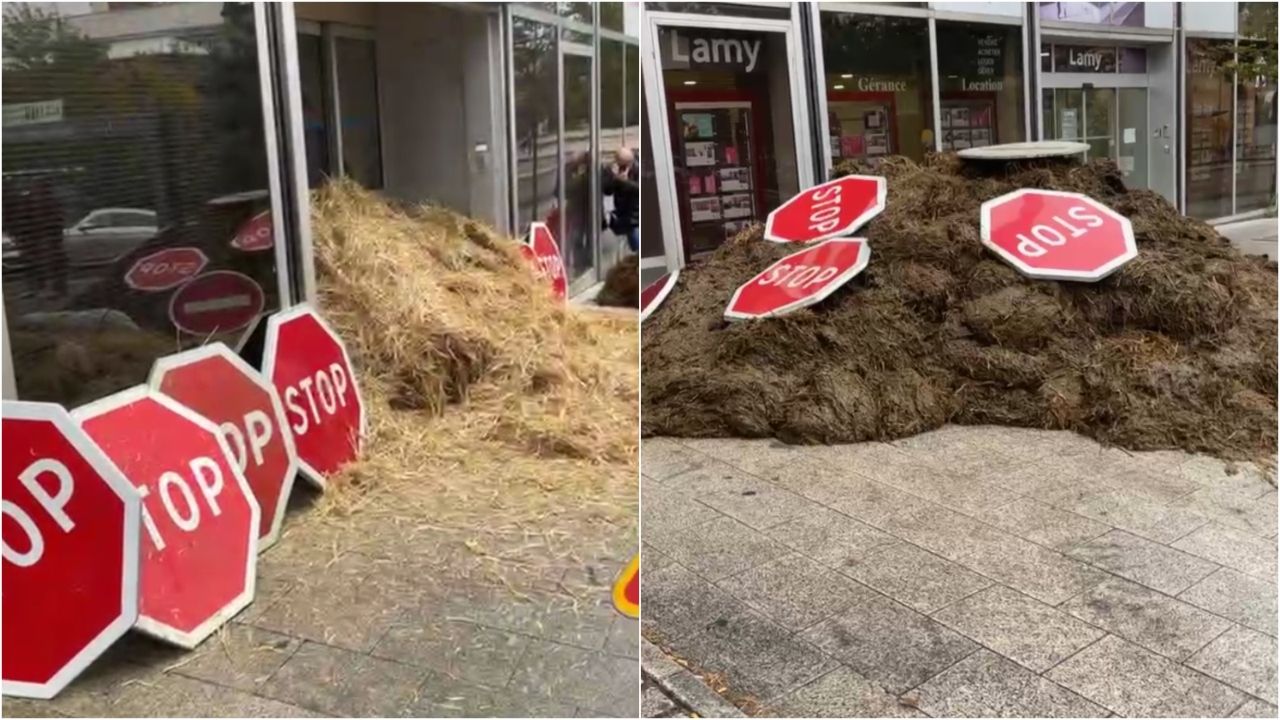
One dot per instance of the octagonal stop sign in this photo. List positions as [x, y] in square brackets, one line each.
[70, 550]
[799, 279]
[306, 362]
[544, 254]
[218, 384]
[199, 518]
[833, 209]
[1057, 235]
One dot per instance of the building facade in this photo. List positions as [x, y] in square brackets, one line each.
[155, 152]
[747, 103]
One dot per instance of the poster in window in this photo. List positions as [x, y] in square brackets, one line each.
[699, 126]
[877, 144]
[946, 118]
[980, 137]
[736, 206]
[853, 145]
[709, 182]
[699, 154]
[704, 209]
[873, 120]
[735, 179]
[961, 140]
[980, 117]
[960, 117]
[730, 155]
[835, 145]
[695, 184]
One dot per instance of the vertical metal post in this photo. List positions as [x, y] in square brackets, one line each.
[1235, 120]
[297, 143]
[936, 83]
[820, 88]
[513, 150]
[275, 190]
[10, 388]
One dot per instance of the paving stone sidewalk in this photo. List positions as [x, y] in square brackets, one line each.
[969, 571]
[402, 630]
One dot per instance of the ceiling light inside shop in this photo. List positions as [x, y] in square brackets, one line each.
[837, 87]
[690, 82]
[846, 76]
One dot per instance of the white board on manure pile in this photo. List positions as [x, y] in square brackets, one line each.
[1024, 150]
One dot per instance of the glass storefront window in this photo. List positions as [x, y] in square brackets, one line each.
[878, 90]
[613, 98]
[632, 96]
[128, 134]
[734, 153]
[315, 125]
[358, 109]
[537, 122]
[1208, 130]
[780, 10]
[1255, 138]
[981, 84]
[578, 230]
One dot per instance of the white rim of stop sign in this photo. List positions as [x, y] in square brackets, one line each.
[151, 626]
[128, 276]
[882, 194]
[269, 349]
[658, 299]
[131, 557]
[1130, 243]
[864, 257]
[218, 349]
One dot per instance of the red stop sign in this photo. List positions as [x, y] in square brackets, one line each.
[306, 362]
[216, 302]
[833, 209]
[1057, 235]
[70, 550]
[165, 269]
[199, 518]
[799, 279]
[655, 292]
[218, 384]
[256, 234]
[546, 258]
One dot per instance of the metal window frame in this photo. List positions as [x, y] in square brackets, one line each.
[329, 32]
[9, 389]
[275, 188]
[655, 90]
[291, 84]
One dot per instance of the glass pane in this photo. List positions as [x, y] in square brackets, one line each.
[1047, 115]
[315, 123]
[612, 16]
[358, 108]
[734, 145]
[577, 227]
[162, 131]
[578, 11]
[1100, 120]
[1209, 129]
[878, 89]
[651, 240]
[1256, 142]
[537, 122]
[613, 98]
[619, 201]
[632, 96]
[1132, 157]
[980, 72]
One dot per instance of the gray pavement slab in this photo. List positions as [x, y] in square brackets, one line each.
[888, 642]
[832, 538]
[719, 547]
[1243, 551]
[664, 458]
[1236, 596]
[464, 650]
[441, 696]
[559, 673]
[1255, 708]
[1235, 509]
[1043, 524]
[1135, 682]
[988, 685]
[238, 656]
[915, 577]
[1025, 630]
[1143, 616]
[1035, 570]
[1242, 658]
[792, 590]
[841, 693]
[678, 602]
[340, 682]
[761, 659]
[1157, 566]
[758, 504]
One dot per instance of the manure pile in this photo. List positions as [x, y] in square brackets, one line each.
[1177, 349]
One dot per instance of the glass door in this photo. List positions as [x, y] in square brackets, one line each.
[1099, 130]
[1133, 131]
[1111, 121]
[578, 229]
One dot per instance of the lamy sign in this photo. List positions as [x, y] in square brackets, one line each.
[738, 52]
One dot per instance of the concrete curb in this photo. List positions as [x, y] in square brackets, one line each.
[682, 685]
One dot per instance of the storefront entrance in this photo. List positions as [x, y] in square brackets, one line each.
[1112, 121]
[730, 103]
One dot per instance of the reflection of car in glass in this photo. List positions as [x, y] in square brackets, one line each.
[106, 234]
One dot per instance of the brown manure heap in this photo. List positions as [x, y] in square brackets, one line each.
[1176, 350]
[622, 284]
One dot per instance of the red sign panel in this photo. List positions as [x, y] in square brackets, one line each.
[308, 365]
[1057, 235]
[833, 209]
[546, 257]
[199, 518]
[218, 384]
[216, 302]
[70, 550]
[256, 234]
[800, 279]
[655, 292]
[165, 269]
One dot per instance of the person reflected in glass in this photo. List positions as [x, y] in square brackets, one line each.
[622, 182]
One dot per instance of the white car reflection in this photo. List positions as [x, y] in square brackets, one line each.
[106, 234]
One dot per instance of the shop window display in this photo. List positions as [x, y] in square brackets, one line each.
[1255, 126]
[134, 167]
[981, 84]
[537, 121]
[878, 90]
[1209, 130]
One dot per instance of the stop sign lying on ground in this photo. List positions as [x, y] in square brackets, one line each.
[546, 258]
[655, 292]
[833, 209]
[70, 550]
[199, 518]
[1057, 235]
[165, 269]
[306, 362]
[799, 279]
[218, 384]
[216, 302]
